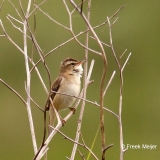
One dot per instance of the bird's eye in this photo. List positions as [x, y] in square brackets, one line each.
[72, 64]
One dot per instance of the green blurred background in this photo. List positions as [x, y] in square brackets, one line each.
[137, 29]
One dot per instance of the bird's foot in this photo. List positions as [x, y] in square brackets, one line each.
[62, 121]
[72, 109]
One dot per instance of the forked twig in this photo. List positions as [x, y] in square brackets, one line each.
[121, 88]
[82, 155]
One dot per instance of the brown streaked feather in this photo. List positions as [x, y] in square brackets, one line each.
[55, 87]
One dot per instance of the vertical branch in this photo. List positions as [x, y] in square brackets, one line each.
[120, 115]
[121, 68]
[28, 82]
[85, 87]
[33, 33]
[104, 58]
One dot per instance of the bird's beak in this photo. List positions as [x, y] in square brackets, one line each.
[81, 62]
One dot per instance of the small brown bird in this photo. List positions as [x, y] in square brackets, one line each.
[68, 82]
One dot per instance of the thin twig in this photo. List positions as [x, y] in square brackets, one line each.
[126, 62]
[51, 18]
[36, 7]
[111, 145]
[15, 92]
[8, 15]
[80, 4]
[82, 155]
[34, 101]
[114, 21]
[16, 10]
[94, 103]
[101, 42]
[34, 33]
[2, 5]
[10, 38]
[18, 28]
[123, 54]
[117, 12]
[113, 74]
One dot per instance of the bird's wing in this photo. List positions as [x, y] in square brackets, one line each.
[55, 87]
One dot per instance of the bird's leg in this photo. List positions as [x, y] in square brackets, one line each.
[62, 121]
[72, 109]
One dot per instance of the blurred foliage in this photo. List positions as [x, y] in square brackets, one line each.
[137, 29]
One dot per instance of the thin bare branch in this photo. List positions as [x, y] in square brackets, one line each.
[101, 42]
[51, 18]
[34, 101]
[28, 82]
[111, 43]
[83, 99]
[80, 4]
[16, 10]
[117, 11]
[123, 53]
[8, 15]
[113, 74]
[85, 82]
[121, 89]
[18, 28]
[21, 7]
[2, 5]
[36, 7]
[82, 7]
[10, 38]
[114, 21]
[16, 93]
[111, 145]
[82, 155]
[126, 61]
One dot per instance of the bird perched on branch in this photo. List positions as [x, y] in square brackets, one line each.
[67, 83]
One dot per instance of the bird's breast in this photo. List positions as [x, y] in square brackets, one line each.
[65, 101]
